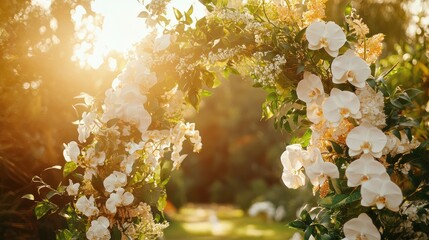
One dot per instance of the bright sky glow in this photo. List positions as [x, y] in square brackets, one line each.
[116, 28]
[44, 4]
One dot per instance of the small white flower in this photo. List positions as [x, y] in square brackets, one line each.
[310, 88]
[83, 132]
[95, 159]
[71, 151]
[366, 139]
[128, 162]
[325, 35]
[351, 68]
[177, 159]
[115, 181]
[87, 206]
[382, 193]
[319, 172]
[364, 169]
[162, 43]
[120, 198]
[73, 188]
[99, 229]
[361, 228]
[341, 104]
[89, 172]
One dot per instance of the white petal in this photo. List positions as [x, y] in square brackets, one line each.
[339, 68]
[361, 225]
[335, 36]
[314, 33]
[128, 198]
[293, 181]
[310, 88]
[111, 205]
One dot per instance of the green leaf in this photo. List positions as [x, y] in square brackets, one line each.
[308, 232]
[143, 14]
[413, 92]
[305, 217]
[42, 208]
[162, 202]
[190, 10]
[205, 93]
[339, 200]
[28, 196]
[177, 13]
[64, 234]
[69, 167]
[116, 233]
[298, 224]
[337, 148]
[194, 100]
[300, 34]
[188, 19]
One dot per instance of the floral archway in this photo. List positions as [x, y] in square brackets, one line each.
[357, 149]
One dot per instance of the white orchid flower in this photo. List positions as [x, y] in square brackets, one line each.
[361, 228]
[315, 110]
[292, 160]
[87, 206]
[382, 193]
[115, 181]
[73, 188]
[120, 198]
[293, 157]
[366, 139]
[310, 88]
[71, 151]
[99, 229]
[364, 169]
[341, 104]
[351, 68]
[319, 172]
[325, 35]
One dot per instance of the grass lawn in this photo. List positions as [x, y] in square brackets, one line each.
[222, 222]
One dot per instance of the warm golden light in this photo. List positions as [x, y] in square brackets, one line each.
[114, 26]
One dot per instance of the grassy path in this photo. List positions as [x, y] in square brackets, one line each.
[209, 222]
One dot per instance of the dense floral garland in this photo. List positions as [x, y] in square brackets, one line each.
[356, 148]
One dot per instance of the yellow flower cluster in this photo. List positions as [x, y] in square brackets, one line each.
[315, 11]
[357, 26]
[371, 49]
[289, 11]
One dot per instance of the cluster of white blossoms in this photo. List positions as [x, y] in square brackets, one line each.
[265, 71]
[131, 147]
[359, 116]
[416, 213]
